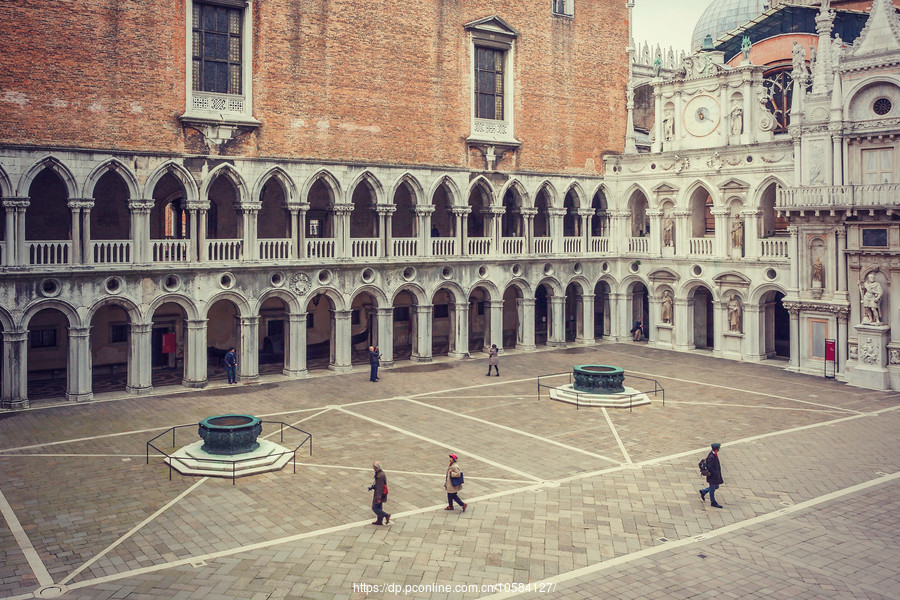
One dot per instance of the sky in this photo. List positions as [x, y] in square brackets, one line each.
[666, 22]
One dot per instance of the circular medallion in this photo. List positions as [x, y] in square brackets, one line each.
[701, 116]
[300, 283]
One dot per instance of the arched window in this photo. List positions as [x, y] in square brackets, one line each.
[175, 226]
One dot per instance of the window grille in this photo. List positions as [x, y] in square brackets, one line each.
[216, 52]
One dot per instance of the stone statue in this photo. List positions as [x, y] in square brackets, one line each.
[669, 127]
[817, 273]
[737, 233]
[668, 232]
[798, 59]
[657, 66]
[735, 312]
[871, 292]
[737, 120]
[667, 304]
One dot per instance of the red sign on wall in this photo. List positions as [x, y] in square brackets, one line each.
[168, 343]
[829, 349]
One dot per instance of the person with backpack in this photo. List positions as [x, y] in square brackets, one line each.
[493, 360]
[231, 365]
[379, 496]
[453, 483]
[713, 473]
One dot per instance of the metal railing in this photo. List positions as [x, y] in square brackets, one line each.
[193, 426]
[657, 389]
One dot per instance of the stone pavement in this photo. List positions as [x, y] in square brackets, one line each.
[588, 503]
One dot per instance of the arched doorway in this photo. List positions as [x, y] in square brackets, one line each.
[110, 339]
[404, 225]
[772, 223]
[776, 321]
[600, 219]
[110, 221]
[363, 327]
[541, 224]
[479, 318]
[320, 332]
[478, 237]
[574, 312]
[542, 314]
[640, 221]
[571, 220]
[168, 344]
[639, 307]
[274, 333]
[170, 223]
[443, 223]
[320, 221]
[704, 333]
[602, 312]
[273, 224]
[222, 334]
[364, 230]
[48, 354]
[405, 333]
[224, 225]
[512, 323]
[443, 323]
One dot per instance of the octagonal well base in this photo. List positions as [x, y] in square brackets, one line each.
[630, 397]
[191, 460]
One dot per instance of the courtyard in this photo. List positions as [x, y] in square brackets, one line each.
[578, 503]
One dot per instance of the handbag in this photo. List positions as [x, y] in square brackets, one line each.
[457, 481]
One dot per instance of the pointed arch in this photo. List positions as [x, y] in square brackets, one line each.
[451, 186]
[282, 177]
[552, 194]
[629, 194]
[191, 188]
[684, 202]
[580, 197]
[418, 192]
[760, 189]
[116, 166]
[53, 164]
[6, 189]
[6, 320]
[373, 183]
[226, 170]
[330, 182]
[518, 188]
[485, 186]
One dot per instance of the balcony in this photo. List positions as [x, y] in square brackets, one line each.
[365, 247]
[702, 246]
[773, 248]
[443, 246]
[885, 195]
[600, 245]
[110, 251]
[219, 250]
[572, 244]
[320, 248]
[480, 246]
[405, 247]
[543, 245]
[638, 245]
[276, 249]
[49, 252]
[513, 245]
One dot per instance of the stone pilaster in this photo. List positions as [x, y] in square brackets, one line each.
[295, 349]
[78, 388]
[140, 372]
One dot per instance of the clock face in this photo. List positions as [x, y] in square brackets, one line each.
[701, 116]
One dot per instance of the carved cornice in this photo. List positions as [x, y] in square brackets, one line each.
[807, 306]
[16, 202]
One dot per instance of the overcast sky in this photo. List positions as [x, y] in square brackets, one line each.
[666, 22]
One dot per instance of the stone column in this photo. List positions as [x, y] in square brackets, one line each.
[840, 260]
[461, 330]
[86, 252]
[585, 214]
[195, 375]
[9, 250]
[342, 229]
[423, 313]
[683, 317]
[528, 214]
[140, 209]
[683, 232]
[618, 319]
[720, 318]
[556, 216]
[14, 388]
[755, 325]
[751, 232]
[299, 231]
[722, 243]
[423, 216]
[655, 232]
[202, 253]
[249, 212]
[525, 333]
[794, 256]
[78, 385]
[587, 319]
[496, 324]
[22, 257]
[15, 253]
[794, 363]
[75, 207]
[140, 362]
[295, 349]
[385, 335]
[557, 334]
[494, 215]
[248, 359]
[385, 214]
[842, 346]
[461, 213]
[341, 340]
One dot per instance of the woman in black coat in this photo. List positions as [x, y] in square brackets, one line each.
[714, 479]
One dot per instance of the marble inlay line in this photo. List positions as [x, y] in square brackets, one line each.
[34, 560]
[618, 439]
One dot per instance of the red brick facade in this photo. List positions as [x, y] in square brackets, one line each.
[332, 80]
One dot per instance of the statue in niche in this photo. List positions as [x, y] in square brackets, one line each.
[669, 126]
[818, 275]
[737, 120]
[735, 314]
[668, 232]
[667, 305]
[737, 233]
[870, 292]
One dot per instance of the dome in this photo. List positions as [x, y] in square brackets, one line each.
[721, 16]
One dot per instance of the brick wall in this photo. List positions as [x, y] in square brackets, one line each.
[333, 79]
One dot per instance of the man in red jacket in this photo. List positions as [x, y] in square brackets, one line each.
[714, 479]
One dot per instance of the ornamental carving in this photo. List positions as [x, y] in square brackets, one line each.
[868, 351]
[894, 356]
[300, 283]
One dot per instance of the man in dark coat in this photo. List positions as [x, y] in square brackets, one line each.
[231, 365]
[714, 479]
[374, 361]
[379, 497]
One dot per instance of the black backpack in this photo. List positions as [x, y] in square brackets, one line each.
[704, 470]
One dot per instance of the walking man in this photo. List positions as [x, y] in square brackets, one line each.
[231, 365]
[454, 474]
[374, 361]
[494, 360]
[714, 479]
[379, 496]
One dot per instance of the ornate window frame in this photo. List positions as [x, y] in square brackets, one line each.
[493, 32]
[220, 115]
